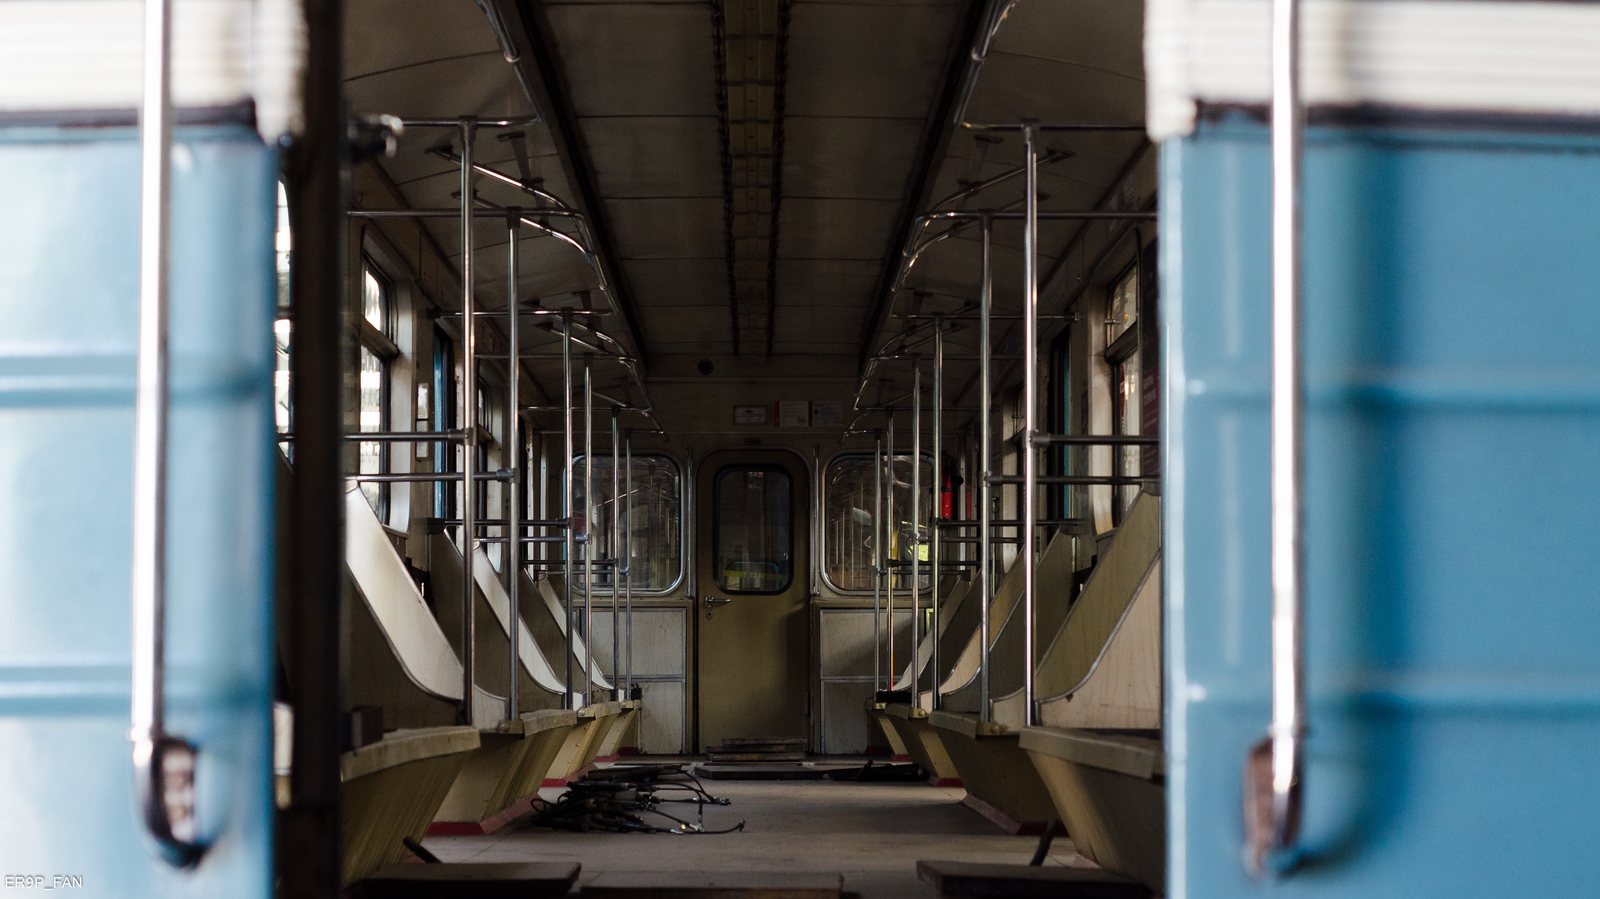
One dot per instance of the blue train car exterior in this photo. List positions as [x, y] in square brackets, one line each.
[1452, 316]
[69, 272]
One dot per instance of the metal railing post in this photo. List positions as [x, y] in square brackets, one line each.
[616, 555]
[588, 528]
[916, 530]
[985, 548]
[469, 424]
[569, 700]
[1030, 402]
[513, 561]
[877, 562]
[938, 496]
[627, 569]
[890, 532]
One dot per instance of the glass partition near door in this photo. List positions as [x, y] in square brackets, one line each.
[652, 527]
[849, 527]
[753, 529]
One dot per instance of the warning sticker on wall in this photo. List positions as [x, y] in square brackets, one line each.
[827, 414]
[794, 413]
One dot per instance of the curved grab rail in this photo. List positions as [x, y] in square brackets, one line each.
[1275, 766]
[163, 764]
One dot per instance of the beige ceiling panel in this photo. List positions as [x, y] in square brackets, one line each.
[380, 35]
[671, 228]
[1106, 35]
[674, 283]
[482, 85]
[655, 156]
[883, 61]
[849, 157]
[1013, 87]
[647, 59]
[835, 229]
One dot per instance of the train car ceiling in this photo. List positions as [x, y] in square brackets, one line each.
[751, 170]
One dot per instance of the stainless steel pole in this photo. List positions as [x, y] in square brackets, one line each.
[934, 533]
[627, 568]
[566, 496]
[152, 745]
[890, 533]
[877, 563]
[1030, 375]
[1286, 739]
[588, 528]
[469, 424]
[618, 562]
[916, 531]
[514, 498]
[985, 544]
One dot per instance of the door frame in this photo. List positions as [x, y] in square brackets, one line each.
[706, 467]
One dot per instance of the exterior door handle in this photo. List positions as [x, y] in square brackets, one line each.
[711, 603]
[163, 763]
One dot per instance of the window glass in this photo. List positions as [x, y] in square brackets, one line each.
[282, 245]
[282, 326]
[373, 387]
[1124, 306]
[280, 378]
[752, 530]
[849, 539]
[443, 408]
[373, 300]
[652, 529]
[1127, 422]
[371, 419]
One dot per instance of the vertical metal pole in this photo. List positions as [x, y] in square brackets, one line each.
[469, 424]
[588, 527]
[617, 561]
[147, 713]
[544, 499]
[985, 539]
[513, 559]
[877, 562]
[1288, 449]
[916, 531]
[308, 835]
[1030, 403]
[938, 492]
[890, 531]
[566, 494]
[627, 573]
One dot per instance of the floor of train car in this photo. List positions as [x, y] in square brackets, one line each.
[872, 833]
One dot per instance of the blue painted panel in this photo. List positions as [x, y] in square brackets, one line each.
[1453, 503]
[68, 328]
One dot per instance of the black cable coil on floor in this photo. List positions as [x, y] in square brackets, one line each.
[617, 799]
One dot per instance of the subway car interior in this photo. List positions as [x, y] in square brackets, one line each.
[715, 449]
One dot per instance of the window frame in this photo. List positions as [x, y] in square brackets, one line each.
[716, 524]
[822, 541]
[1128, 345]
[380, 343]
[683, 542]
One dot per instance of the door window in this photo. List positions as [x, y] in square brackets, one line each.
[753, 529]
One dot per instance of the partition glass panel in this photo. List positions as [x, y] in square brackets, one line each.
[652, 530]
[849, 530]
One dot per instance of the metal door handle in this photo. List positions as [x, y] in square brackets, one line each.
[1275, 767]
[163, 764]
[712, 602]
